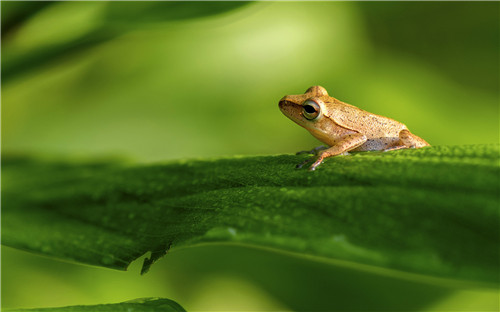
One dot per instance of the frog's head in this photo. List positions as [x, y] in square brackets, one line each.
[305, 109]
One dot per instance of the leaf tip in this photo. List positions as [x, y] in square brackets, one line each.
[155, 255]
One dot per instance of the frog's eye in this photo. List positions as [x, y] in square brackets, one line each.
[310, 109]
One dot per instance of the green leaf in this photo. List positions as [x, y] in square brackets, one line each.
[138, 305]
[15, 13]
[431, 211]
[143, 13]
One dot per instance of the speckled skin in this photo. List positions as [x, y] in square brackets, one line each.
[345, 127]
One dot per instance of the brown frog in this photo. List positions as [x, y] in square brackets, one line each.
[344, 127]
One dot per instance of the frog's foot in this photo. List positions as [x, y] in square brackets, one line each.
[314, 151]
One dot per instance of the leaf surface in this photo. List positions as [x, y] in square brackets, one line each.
[431, 211]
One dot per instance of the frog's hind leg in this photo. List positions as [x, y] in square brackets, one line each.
[408, 140]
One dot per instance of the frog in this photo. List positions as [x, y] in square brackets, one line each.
[343, 127]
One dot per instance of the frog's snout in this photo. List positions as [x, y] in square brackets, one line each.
[284, 102]
[289, 108]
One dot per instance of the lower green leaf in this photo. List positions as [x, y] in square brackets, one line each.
[431, 211]
[138, 305]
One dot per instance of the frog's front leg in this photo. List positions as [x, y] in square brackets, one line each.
[348, 143]
[315, 151]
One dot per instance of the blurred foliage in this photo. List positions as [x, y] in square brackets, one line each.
[236, 278]
[168, 80]
[432, 211]
[84, 78]
[139, 305]
[103, 22]
[465, 51]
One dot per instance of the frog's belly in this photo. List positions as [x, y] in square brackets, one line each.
[378, 144]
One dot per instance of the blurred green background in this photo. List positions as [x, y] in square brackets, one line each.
[155, 81]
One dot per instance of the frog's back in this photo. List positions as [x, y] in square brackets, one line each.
[371, 125]
[381, 132]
